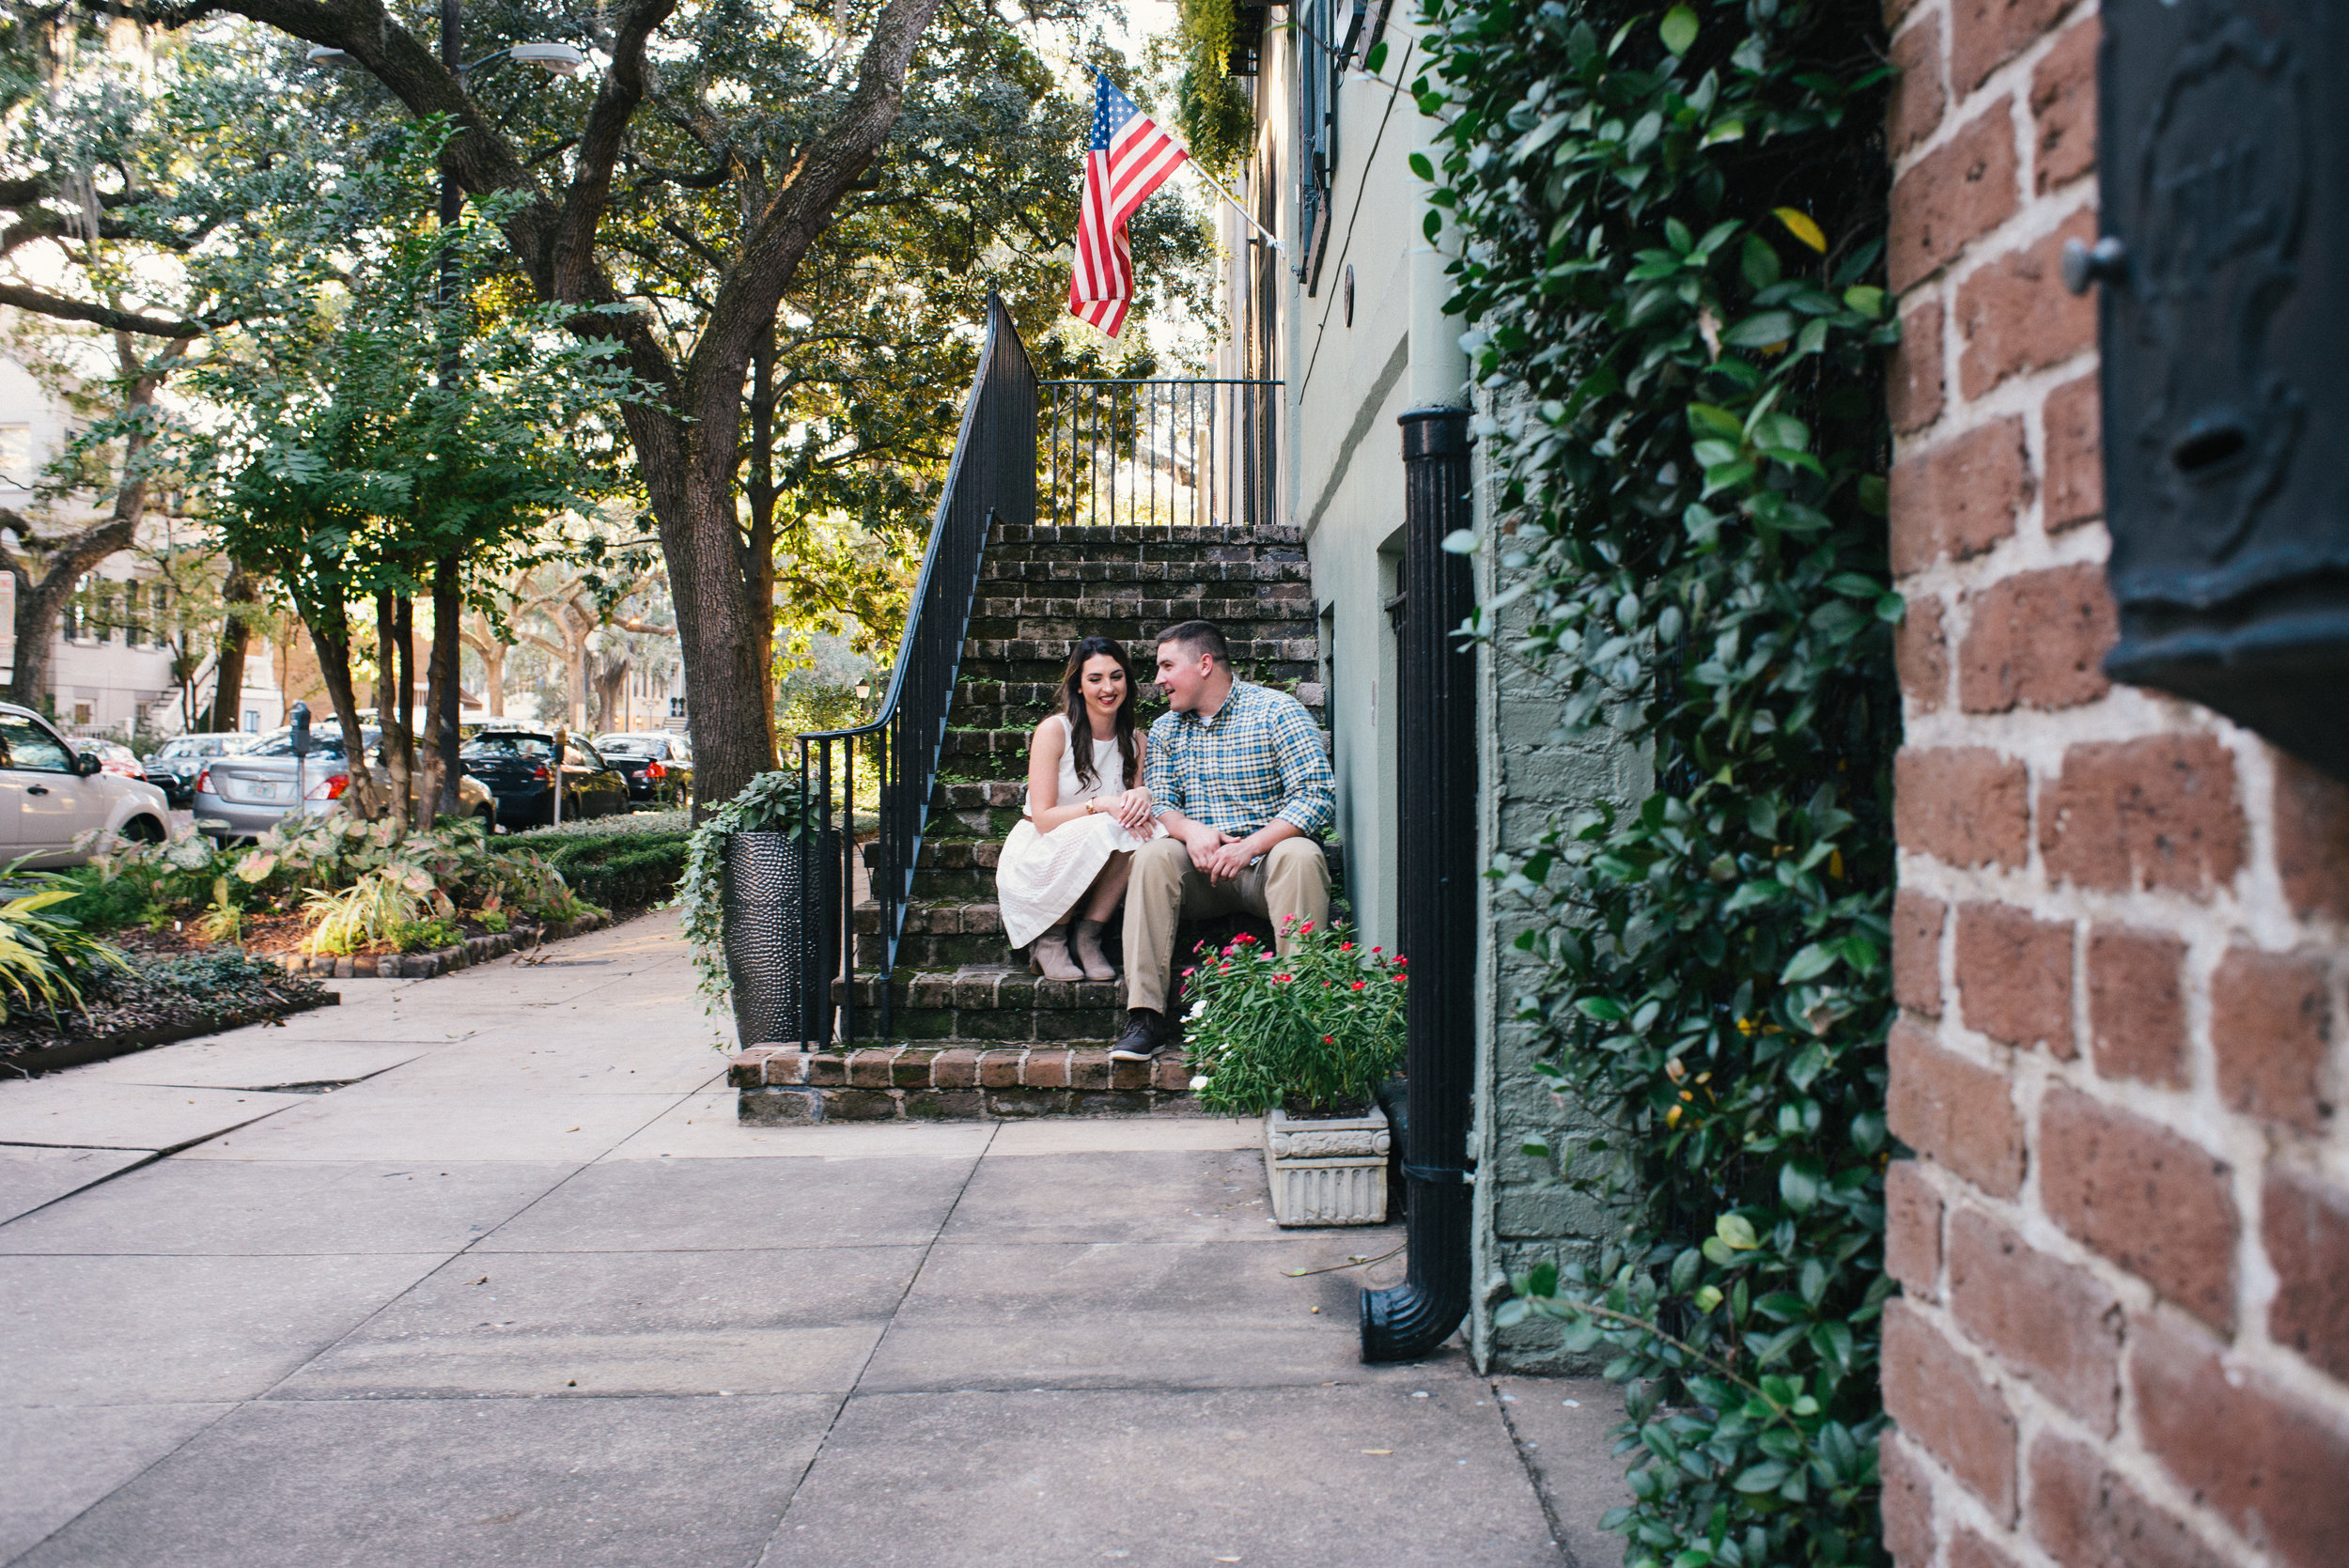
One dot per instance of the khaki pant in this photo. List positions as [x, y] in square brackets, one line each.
[1293, 879]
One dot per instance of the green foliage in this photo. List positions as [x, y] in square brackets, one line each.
[1211, 111]
[622, 870]
[1673, 228]
[374, 911]
[47, 962]
[1317, 1029]
[770, 803]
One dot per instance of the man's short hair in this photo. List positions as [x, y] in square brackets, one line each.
[1199, 637]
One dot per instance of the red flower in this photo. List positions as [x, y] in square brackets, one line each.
[1188, 973]
[1379, 950]
[1360, 984]
[1243, 938]
[1307, 926]
[1281, 977]
[1329, 1039]
[1346, 947]
[1400, 960]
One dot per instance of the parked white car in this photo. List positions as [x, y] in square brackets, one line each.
[51, 794]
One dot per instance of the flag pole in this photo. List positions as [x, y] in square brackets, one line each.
[1217, 186]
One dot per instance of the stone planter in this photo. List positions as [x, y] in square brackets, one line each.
[1328, 1172]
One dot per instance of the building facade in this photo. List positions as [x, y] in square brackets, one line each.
[1347, 315]
[2124, 1239]
[112, 656]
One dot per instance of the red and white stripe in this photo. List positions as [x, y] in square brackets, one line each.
[1117, 181]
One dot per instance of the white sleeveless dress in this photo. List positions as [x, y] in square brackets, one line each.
[1040, 877]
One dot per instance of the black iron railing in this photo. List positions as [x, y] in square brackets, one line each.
[1157, 453]
[992, 479]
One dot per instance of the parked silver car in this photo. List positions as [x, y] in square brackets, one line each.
[245, 796]
[49, 795]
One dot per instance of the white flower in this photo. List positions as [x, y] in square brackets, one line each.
[1196, 1008]
[1199, 1083]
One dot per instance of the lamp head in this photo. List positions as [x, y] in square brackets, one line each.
[555, 60]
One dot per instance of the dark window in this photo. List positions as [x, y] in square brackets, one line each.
[31, 748]
[1319, 69]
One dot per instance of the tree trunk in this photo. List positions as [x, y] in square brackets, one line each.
[441, 685]
[719, 637]
[390, 710]
[329, 638]
[482, 638]
[761, 491]
[235, 634]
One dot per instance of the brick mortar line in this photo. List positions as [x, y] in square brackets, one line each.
[2013, 75]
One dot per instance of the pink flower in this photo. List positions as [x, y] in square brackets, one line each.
[1281, 977]
[1307, 926]
[1188, 973]
[1242, 938]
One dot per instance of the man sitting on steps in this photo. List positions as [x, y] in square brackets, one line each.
[1242, 789]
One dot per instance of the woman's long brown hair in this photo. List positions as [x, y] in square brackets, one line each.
[1081, 724]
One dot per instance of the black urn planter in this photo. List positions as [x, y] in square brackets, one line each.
[782, 912]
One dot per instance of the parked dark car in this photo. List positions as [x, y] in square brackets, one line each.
[519, 767]
[659, 765]
[173, 768]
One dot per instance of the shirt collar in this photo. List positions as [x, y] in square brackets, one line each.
[1231, 703]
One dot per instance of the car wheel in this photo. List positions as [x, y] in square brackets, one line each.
[488, 818]
[145, 830]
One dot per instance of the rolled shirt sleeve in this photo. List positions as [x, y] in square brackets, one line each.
[1164, 778]
[1309, 800]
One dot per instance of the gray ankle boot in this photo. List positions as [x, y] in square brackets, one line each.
[1096, 964]
[1049, 958]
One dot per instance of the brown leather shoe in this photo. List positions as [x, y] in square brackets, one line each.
[1146, 1031]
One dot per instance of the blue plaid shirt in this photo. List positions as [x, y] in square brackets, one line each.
[1258, 759]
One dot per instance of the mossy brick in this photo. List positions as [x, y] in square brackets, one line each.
[1089, 1069]
[936, 1105]
[869, 1068]
[827, 1068]
[1023, 1104]
[860, 1105]
[910, 1068]
[995, 1024]
[999, 1069]
[955, 1068]
[1044, 1069]
[777, 1107]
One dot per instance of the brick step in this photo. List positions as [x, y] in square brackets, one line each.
[1149, 606]
[1189, 537]
[1042, 664]
[991, 1004]
[1158, 577]
[1138, 636]
[782, 1083]
[1298, 650]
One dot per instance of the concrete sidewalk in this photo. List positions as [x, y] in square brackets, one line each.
[482, 1270]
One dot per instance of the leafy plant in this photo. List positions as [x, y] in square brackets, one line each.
[425, 936]
[47, 961]
[371, 913]
[1673, 225]
[493, 921]
[1316, 1029]
[770, 803]
[1216, 122]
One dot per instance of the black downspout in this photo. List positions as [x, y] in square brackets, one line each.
[1437, 923]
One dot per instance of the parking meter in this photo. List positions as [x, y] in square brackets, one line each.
[299, 741]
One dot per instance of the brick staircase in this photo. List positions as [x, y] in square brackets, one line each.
[973, 1032]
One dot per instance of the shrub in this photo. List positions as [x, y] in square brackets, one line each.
[632, 869]
[1671, 225]
[770, 803]
[47, 961]
[1316, 1029]
[372, 912]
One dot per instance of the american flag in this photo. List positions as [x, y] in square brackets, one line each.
[1129, 158]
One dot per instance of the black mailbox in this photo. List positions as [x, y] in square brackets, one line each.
[2223, 163]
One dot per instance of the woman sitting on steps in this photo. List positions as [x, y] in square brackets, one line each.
[1073, 847]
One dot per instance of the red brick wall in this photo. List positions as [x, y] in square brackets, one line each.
[2123, 1241]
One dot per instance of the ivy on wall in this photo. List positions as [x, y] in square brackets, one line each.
[1672, 223]
[1211, 111]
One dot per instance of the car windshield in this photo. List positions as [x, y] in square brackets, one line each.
[489, 747]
